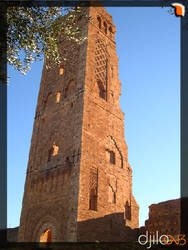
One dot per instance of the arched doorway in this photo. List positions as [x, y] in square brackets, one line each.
[46, 236]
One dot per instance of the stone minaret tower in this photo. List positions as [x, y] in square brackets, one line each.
[79, 182]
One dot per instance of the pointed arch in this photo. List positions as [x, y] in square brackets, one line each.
[47, 227]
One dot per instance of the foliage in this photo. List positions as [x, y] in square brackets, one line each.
[34, 32]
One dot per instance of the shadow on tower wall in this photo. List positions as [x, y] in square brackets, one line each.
[110, 228]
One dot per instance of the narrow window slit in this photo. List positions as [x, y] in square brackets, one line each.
[93, 189]
[99, 22]
[53, 151]
[58, 97]
[105, 27]
[61, 70]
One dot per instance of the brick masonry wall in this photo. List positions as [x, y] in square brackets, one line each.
[164, 217]
[78, 150]
[103, 132]
[51, 188]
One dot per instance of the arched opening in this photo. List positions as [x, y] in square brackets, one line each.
[53, 151]
[46, 236]
[102, 92]
[93, 200]
[99, 22]
[110, 29]
[111, 157]
[105, 27]
[58, 97]
[61, 70]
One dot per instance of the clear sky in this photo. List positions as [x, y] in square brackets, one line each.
[148, 47]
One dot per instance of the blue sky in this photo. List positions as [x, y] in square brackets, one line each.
[148, 47]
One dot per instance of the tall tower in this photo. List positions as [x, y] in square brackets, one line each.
[79, 182]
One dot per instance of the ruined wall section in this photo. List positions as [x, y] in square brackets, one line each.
[52, 182]
[164, 217]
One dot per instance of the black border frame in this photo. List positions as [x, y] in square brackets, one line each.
[3, 122]
[183, 101]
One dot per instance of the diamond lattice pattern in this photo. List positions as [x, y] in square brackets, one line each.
[101, 62]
